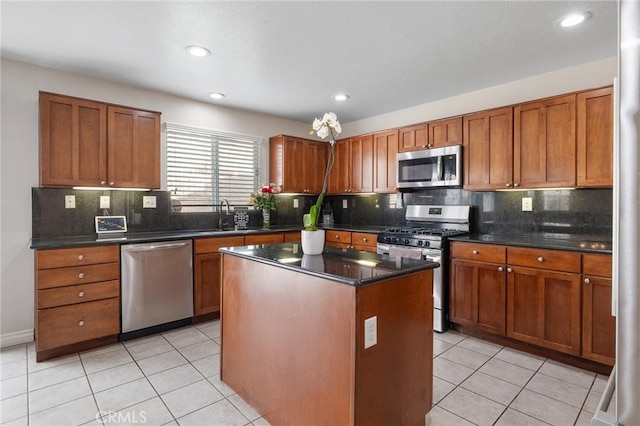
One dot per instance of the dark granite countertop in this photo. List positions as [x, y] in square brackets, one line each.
[572, 242]
[350, 267]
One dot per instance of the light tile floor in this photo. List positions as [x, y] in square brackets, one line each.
[173, 378]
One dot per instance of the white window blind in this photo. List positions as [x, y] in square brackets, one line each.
[205, 167]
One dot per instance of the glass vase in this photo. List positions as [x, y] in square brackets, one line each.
[266, 218]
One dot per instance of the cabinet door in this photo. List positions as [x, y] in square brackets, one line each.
[445, 132]
[598, 325]
[340, 176]
[73, 141]
[206, 284]
[545, 143]
[595, 138]
[133, 148]
[386, 147]
[361, 151]
[264, 239]
[543, 308]
[315, 163]
[413, 138]
[478, 295]
[488, 149]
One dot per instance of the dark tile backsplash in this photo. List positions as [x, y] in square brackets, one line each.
[583, 211]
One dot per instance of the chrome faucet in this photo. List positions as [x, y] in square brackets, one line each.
[227, 212]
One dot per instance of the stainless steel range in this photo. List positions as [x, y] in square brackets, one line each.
[425, 237]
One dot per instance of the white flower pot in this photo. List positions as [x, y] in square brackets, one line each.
[313, 241]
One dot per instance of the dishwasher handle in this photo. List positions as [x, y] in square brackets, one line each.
[156, 247]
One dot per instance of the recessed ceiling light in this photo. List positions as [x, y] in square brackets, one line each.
[574, 19]
[198, 51]
[216, 95]
[340, 97]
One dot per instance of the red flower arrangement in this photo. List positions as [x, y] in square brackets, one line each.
[263, 198]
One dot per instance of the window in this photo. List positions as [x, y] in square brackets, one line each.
[205, 167]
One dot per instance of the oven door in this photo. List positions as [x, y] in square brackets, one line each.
[429, 167]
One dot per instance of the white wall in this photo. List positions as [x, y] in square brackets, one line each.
[19, 146]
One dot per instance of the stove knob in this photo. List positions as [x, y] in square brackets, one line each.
[406, 241]
[427, 243]
[420, 242]
[394, 240]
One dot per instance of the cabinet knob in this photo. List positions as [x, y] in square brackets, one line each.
[474, 251]
[365, 240]
[80, 257]
[587, 281]
[424, 146]
[111, 183]
[500, 269]
[540, 259]
[103, 182]
[81, 294]
[507, 185]
[81, 275]
[516, 184]
[337, 237]
[509, 270]
[81, 323]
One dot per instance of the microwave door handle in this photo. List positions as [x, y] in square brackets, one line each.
[439, 169]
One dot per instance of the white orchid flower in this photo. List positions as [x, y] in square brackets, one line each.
[337, 127]
[317, 124]
[323, 132]
[329, 118]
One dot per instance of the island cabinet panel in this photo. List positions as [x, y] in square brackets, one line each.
[488, 149]
[386, 148]
[413, 138]
[445, 132]
[595, 138]
[598, 325]
[545, 143]
[207, 267]
[73, 141]
[134, 148]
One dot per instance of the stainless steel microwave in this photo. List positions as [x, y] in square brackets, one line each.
[429, 168]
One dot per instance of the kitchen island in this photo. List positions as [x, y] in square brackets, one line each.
[296, 346]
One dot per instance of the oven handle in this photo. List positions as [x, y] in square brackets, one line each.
[439, 169]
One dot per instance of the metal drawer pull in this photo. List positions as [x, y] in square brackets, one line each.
[81, 323]
[541, 259]
[587, 281]
[509, 270]
[500, 269]
[81, 294]
[474, 251]
[81, 275]
[80, 257]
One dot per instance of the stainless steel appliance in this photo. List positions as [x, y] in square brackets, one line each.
[619, 402]
[157, 286]
[429, 167]
[425, 237]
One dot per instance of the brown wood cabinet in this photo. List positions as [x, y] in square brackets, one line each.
[339, 239]
[413, 138]
[354, 165]
[77, 298]
[488, 149]
[89, 143]
[206, 262]
[478, 289]
[274, 238]
[544, 151]
[361, 241]
[385, 146]
[340, 176]
[297, 164]
[598, 325]
[595, 138]
[445, 132]
[543, 298]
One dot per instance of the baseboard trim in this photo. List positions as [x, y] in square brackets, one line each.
[16, 338]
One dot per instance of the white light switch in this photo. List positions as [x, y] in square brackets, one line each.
[527, 204]
[69, 201]
[105, 201]
[295, 203]
[344, 204]
[149, 201]
[370, 332]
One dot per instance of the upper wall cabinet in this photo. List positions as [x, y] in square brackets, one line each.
[88, 143]
[385, 146]
[595, 138]
[353, 169]
[488, 149]
[297, 164]
[446, 132]
[544, 143]
[413, 138]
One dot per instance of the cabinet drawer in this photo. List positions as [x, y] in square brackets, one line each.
[554, 260]
[364, 239]
[264, 239]
[479, 252]
[597, 264]
[61, 296]
[292, 237]
[338, 236]
[46, 259]
[61, 277]
[211, 245]
[76, 323]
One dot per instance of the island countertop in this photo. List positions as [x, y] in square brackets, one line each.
[350, 267]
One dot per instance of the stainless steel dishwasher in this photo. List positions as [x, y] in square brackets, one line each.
[157, 286]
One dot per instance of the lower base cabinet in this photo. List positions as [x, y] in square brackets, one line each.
[598, 325]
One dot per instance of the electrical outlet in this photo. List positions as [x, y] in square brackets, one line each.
[69, 201]
[295, 203]
[527, 204]
[149, 201]
[370, 332]
[105, 201]
[344, 204]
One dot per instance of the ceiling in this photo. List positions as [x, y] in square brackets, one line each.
[289, 58]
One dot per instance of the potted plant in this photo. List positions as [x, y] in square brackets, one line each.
[312, 237]
[264, 200]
